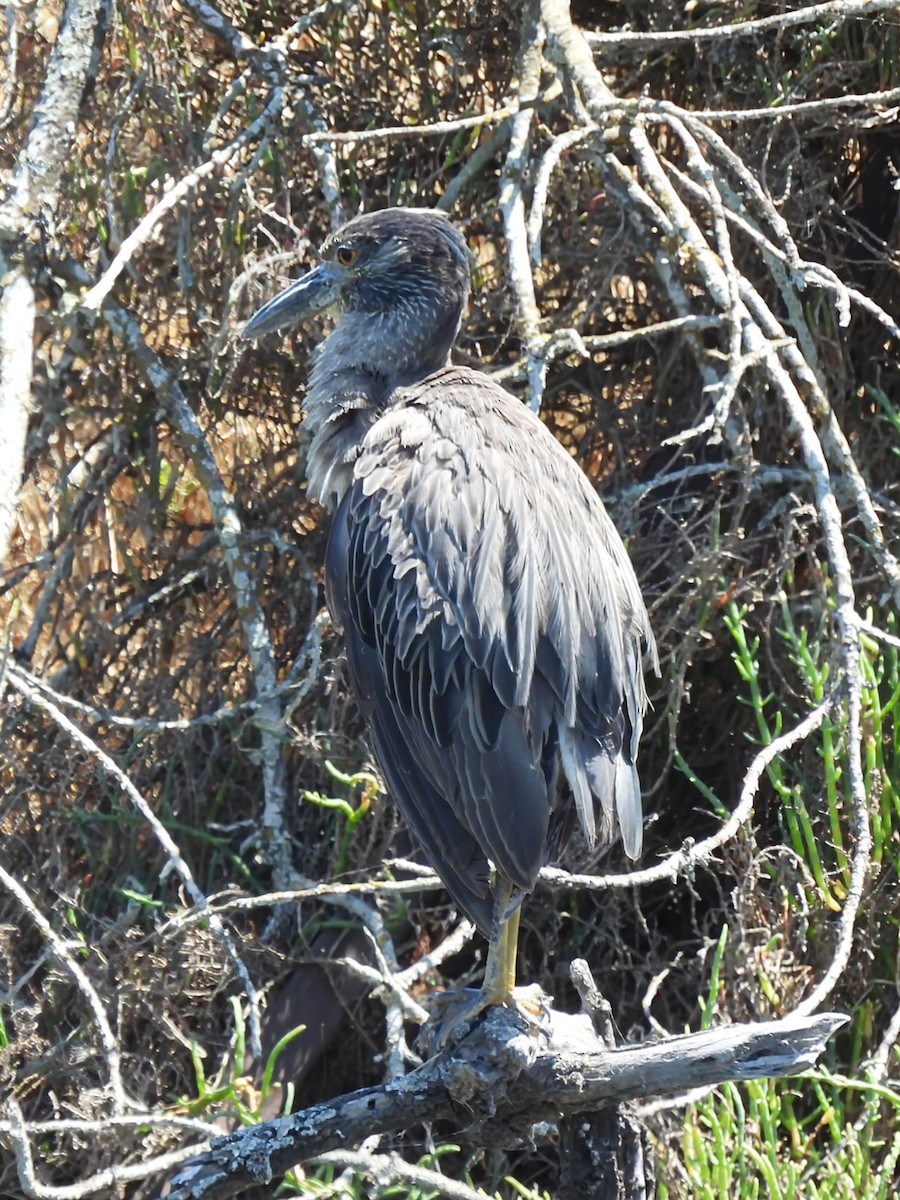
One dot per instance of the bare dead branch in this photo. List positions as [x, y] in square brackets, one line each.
[17, 1130]
[64, 956]
[134, 1121]
[391, 132]
[176, 860]
[387, 1169]
[476, 162]
[12, 48]
[757, 327]
[842, 10]
[313, 891]
[238, 44]
[259, 647]
[38, 173]
[548, 164]
[569, 341]
[512, 204]
[17, 311]
[884, 103]
[94, 297]
[498, 1082]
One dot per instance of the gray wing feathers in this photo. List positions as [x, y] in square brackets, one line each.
[505, 621]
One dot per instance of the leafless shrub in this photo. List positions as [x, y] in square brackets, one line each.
[706, 310]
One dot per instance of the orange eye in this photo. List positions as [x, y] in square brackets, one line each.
[346, 256]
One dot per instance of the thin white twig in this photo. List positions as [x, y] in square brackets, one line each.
[803, 108]
[738, 363]
[475, 162]
[570, 341]
[136, 1121]
[666, 1103]
[62, 954]
[95, 296]
[548, 164]
[877, 1065]
[842, 10]
[805, 273]
[399, 1005]
[313, 891]
[387, 1169]
[176, 861]
[881, 634]
[512, 204]
[693, 855]
[452, 944]
[610, 108]
[292, 688]
[435, 129]
[112, 1177]
[410, 1009]
[715, 420]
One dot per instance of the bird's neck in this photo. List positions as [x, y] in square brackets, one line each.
[403, 345]
[347, 393]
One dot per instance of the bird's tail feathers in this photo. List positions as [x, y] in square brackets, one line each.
[574, 762]
[593, 772]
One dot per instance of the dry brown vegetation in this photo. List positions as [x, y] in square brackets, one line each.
[161, 597]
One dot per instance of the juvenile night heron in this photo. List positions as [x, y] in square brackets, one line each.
[494, 627]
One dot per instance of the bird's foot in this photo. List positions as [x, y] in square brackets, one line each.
[453, 1013]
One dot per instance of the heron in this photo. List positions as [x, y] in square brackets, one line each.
[494, 627]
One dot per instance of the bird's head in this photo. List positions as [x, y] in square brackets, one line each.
[403, 274]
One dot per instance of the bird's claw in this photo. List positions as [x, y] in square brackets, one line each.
[453, 1013]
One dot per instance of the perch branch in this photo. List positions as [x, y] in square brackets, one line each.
[498, 1083]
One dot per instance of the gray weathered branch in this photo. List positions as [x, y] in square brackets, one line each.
[499, 1081]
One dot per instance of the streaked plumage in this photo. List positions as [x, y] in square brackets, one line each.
[494, 626]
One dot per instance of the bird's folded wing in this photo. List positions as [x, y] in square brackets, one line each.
[492, 618]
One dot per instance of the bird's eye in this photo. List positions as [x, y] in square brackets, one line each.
[346, 255]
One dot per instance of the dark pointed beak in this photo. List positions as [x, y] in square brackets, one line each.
[318, 289]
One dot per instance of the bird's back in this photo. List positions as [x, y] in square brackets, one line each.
[494, 629]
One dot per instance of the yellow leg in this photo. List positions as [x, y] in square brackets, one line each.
[500, 969]
[454, 1010]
